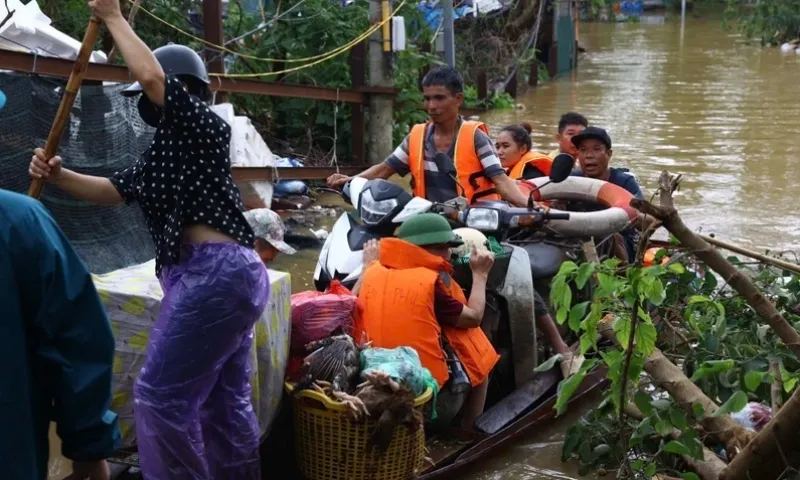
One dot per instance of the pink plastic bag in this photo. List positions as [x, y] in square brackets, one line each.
[316, 315]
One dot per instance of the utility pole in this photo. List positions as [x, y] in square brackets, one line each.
[448, 33]
[381, 113]
[213, 33]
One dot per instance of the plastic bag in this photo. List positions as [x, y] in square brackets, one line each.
[402, 364]
[289, 187]
[316, 315]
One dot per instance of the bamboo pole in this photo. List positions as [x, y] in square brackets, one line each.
[792, 267]
[68, 99]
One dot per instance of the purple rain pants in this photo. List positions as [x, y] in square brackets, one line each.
[194, 417]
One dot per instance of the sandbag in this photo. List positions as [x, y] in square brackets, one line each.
[316, 315]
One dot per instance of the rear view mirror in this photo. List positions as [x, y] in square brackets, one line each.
[562, 167]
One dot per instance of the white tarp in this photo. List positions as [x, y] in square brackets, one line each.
[248, 149]
[29, 30]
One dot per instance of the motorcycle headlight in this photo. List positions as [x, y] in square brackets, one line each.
[372, 211]
[486, 219]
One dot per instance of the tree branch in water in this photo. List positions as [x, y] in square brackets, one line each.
[708, 468]
[774, 451]
[670, 377]
[669, 217]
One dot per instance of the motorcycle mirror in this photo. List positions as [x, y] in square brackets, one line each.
[346, 192]
[562, 167]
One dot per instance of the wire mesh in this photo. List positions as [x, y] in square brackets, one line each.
[104, 135]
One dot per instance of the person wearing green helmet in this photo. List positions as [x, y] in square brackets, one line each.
[411, 299]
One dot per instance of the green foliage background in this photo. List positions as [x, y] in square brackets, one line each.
[718, 340]
[770, 21]
[312, 27]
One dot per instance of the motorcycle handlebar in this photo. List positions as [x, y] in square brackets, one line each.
[556, 216]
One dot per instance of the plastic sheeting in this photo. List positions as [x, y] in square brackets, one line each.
[316, 315]
[194, 417]
[132, 297]
[248, 149]
[402, 364]
[29, 30]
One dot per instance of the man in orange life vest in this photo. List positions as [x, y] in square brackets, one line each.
[471, 165]
[410, 299]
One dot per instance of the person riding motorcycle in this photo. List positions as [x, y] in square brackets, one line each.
[410, 299]
[514, 147]
[471, 166]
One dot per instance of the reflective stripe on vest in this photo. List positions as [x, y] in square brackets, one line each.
[535, 159]
[397, 295]
[469, 170]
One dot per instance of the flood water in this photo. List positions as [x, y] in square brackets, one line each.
[722, 113]
[710, 107]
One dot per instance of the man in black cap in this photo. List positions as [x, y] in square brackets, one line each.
[594, 155]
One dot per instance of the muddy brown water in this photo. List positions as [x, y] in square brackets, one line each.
[721, 112]
[724, 114]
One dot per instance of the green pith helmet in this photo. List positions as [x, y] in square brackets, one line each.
[428, 229]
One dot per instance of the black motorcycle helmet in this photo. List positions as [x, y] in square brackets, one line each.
[182, 62]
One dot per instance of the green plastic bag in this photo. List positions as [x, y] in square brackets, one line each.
[403, 365]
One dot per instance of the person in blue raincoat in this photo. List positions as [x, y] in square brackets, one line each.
[57, 353]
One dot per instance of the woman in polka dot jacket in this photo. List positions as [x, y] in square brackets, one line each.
[194, 419]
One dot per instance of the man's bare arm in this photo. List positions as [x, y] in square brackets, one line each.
[381, 170]
[508, 189]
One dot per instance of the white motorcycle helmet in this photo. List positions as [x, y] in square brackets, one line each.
[472, 239]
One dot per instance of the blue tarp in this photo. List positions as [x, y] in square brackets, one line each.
[289, 187]
[433, 13]
[632, 7]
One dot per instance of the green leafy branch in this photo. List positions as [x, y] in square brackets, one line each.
[723, 349]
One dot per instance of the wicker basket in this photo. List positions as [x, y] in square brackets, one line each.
[331, 446]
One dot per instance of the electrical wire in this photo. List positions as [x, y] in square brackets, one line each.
[323, 56]
[317, 62]
[264, 24]
[531, 41]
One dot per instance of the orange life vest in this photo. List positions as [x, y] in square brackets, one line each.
[650, 257]
[535, 159]
[469, 170]
[397, 296]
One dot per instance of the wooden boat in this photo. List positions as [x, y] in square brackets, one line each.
[530, 406]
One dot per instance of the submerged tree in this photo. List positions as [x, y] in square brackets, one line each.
[771, 21]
